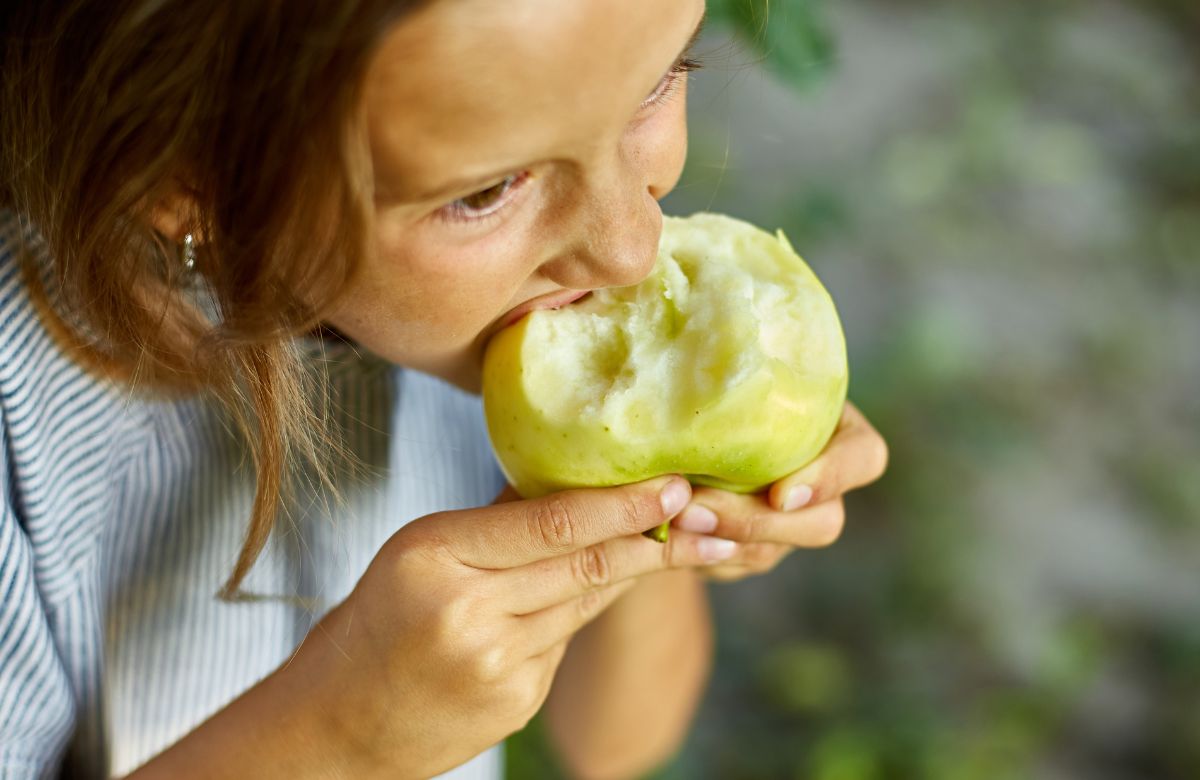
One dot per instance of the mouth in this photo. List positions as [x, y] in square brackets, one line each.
[552, 301]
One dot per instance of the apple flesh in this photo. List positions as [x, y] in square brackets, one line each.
[727, 364]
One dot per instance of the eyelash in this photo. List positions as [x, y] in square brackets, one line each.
[670, 82]
[458, 211]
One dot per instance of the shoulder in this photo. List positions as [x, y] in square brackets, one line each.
[62, 427]
[20, 248]
[29, 356]
[37, 376]
[10, 269]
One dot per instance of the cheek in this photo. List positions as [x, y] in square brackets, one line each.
[426, 285]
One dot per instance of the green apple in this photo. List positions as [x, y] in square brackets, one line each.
[727, 364]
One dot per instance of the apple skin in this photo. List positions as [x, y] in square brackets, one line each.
[715, 398]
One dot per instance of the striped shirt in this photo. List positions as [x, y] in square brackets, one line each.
[120, 517]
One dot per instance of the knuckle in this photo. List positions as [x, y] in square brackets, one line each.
[553, 523]
[419, 545]
[753, 529]
[528, 696]
[591, 566]
[521, 694]
[407, 547]
[590, 604]
[760, 557]
[402, 561]
[746, 525]
[631, 511]
[487, 660]
[452, 620]
[491, 663]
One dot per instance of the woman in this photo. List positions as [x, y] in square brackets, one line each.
[302, 223]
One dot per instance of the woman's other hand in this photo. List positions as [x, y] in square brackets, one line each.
[804, 509]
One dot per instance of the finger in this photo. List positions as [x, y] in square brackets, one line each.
[506, 535]
[542, 584]
[725, 573]
[553, 655]
[542, 668]
[749, 519]
[549, 661]
[758, 557]
[547, 628]
[857, 455]
[752, 559]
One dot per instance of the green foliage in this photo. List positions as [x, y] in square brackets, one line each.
[803, 677]
[528, 755]
[791, 36]
[1009, 220]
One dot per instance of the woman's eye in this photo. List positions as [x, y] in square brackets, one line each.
[670, 80]
[484, 202]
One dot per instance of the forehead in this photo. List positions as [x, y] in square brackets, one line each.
[465, 87]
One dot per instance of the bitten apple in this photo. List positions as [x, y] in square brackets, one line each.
[727, 364]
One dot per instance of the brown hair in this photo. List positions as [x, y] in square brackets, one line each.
[251, 109]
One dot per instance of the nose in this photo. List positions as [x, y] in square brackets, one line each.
[617, 221]
[616, 241]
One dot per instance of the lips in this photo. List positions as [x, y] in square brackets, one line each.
[552, 301]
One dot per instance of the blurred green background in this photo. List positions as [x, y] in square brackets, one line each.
[1004, 201]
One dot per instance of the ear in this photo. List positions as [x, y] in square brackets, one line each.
[174, 212]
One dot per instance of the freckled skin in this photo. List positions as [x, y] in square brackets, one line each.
[539, 87]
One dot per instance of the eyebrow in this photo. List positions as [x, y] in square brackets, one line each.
[469, 184]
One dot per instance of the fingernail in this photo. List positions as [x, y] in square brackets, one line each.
[797, 497]
[697, 518]
[675, 496]
[713, 549]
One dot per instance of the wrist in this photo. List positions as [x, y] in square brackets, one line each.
[335, 716]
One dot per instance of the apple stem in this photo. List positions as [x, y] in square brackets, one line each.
[659, 533]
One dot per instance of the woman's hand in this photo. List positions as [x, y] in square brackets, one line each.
[451, 639]
[804, 509]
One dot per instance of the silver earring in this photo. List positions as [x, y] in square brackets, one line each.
[189, 252]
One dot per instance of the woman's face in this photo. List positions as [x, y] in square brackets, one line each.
[519, 152]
